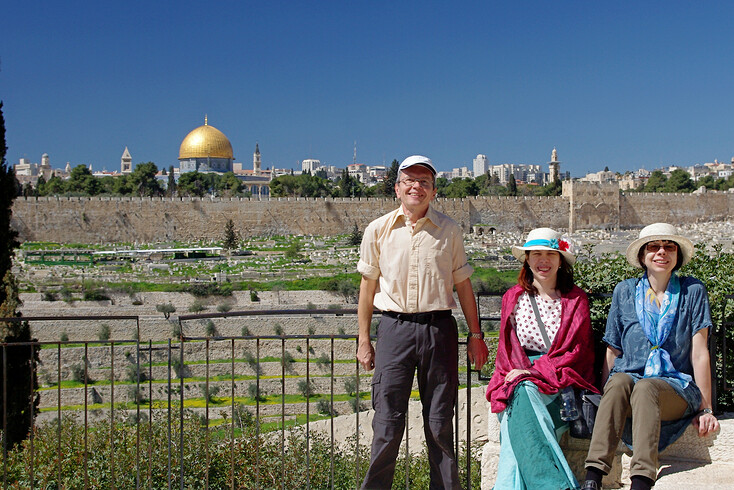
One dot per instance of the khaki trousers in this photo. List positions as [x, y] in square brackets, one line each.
[648, 401]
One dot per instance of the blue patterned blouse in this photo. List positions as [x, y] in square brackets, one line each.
[625, 334]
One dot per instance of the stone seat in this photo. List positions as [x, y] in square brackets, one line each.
[688, 462]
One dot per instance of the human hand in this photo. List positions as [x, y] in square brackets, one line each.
[478, 352]
[706, 423]
[366, 355]
[515, 373]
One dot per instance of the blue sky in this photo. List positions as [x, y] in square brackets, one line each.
[619, 84]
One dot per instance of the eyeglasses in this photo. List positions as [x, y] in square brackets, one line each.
[667, 246]
[425, 183]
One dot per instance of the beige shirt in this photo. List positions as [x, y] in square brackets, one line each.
[417, 267]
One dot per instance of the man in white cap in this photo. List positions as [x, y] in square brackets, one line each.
[411, 259]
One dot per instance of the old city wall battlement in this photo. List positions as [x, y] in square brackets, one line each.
[113, 219]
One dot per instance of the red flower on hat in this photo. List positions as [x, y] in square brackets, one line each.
[563, 245]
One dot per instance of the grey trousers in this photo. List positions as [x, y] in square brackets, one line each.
[432, 349]
[648, 402]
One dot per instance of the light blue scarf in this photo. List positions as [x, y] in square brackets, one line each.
[657, 322]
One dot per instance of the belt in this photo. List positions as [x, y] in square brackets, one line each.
[423, 318]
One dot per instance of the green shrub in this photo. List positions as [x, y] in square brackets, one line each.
[209, 393]
[96, 295]
[131, 373]
[324, 407]
[64, 336]
[211, 329]
[287, 359]
[166, 309]
[197, 306]
[305, 388]
[253, 393]
[254, 297]
[104, 332]
[77, 372]
[67, 294]
[224, 307]
[324, 361]
[209, 289]
[278, 329]
[50, 296]
[243, 452]
[246, 332]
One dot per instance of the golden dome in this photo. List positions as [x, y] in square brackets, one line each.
[205, 141]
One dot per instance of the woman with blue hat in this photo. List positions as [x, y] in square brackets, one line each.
[545, 347]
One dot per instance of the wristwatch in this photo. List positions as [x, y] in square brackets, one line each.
[476, 335]
[706, 410]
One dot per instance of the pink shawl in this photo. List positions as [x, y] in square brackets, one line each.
[569, 362]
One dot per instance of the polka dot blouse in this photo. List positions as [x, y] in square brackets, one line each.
[526, 326]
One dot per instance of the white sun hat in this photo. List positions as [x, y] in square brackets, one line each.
[655, 232]
[545, 239]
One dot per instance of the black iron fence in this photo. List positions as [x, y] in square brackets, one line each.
[203, 410]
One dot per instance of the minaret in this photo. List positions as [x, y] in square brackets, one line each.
[554, 167]
[126, 162]
[256, 163]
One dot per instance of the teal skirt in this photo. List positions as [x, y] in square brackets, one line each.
[530, 456]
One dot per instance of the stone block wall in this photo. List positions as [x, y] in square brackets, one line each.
[584, 205]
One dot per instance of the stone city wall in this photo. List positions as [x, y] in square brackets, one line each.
[638, 209]
[584, 205]
[149, 220]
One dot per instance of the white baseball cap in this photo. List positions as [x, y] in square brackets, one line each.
[417, 160]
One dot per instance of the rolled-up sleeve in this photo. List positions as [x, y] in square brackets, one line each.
[461, 268]
[369, 254]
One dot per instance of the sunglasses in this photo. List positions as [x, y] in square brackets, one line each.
[667, 246]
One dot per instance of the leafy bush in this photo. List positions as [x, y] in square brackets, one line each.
[209, 393]
[211, 329]
[305, 388]
[224, 307]
[246, 332]
[209, 289]
[278, 329]
[244, 451]
[324, 407]
[104, 332]
[50, 296]
[254, 297]
[96, 295]
[77, 372]
[64, 336]
[166, 309]
[287, 359]
[197, 306]
[132, 371]
[324, 361]
[66, 294]
[254, 393]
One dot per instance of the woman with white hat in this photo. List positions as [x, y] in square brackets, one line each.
[657, 359]
[545, 345]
